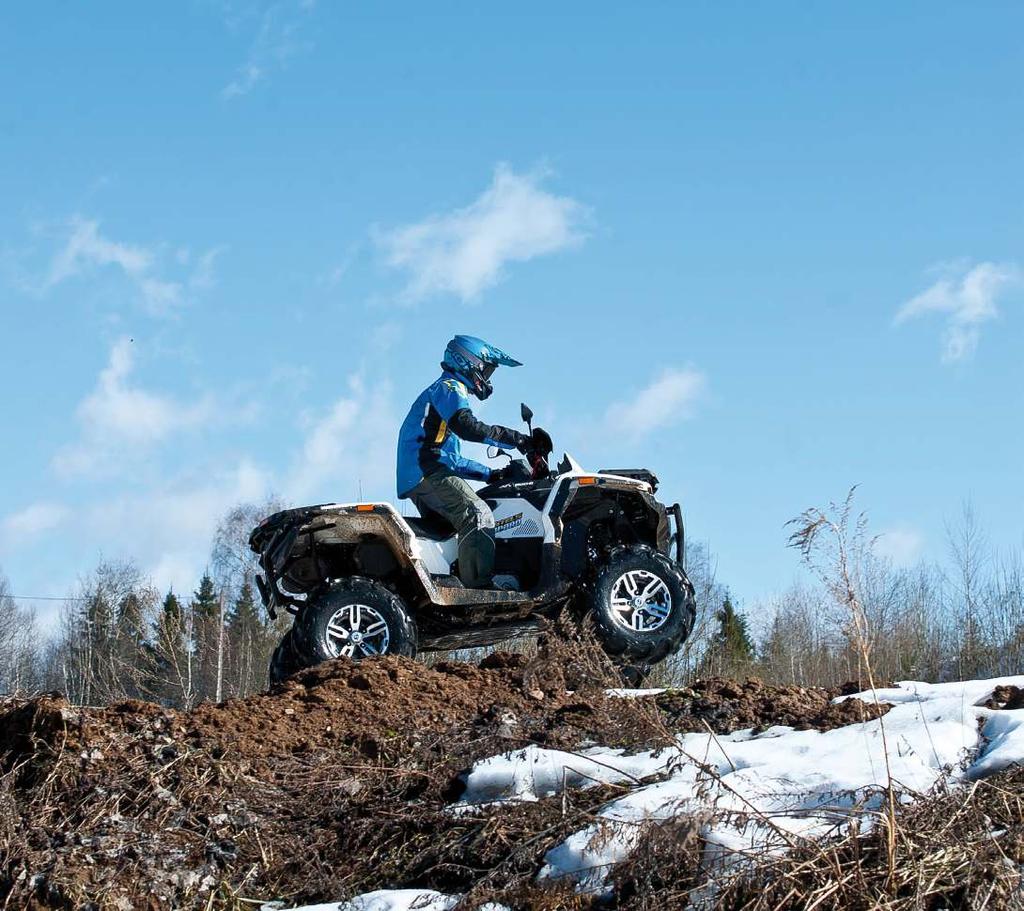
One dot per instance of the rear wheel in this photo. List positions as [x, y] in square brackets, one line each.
[642, 605]
[285, 659]
[357, 618]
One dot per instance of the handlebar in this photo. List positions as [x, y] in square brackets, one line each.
[535, 467]
[540, 448]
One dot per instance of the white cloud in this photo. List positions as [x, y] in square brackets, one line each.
[86, 249]
[169, 529]
[24, 526]
[118, 418]
[671, 397]
[277, 40]
[901, 545]
[968, 296]
[465, 251]
[348, 453]
[168, 526]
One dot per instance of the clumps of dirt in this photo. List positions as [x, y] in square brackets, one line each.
[336, 782]
[1006, 696]
[726, 705]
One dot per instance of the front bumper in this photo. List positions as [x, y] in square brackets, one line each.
[678, 533]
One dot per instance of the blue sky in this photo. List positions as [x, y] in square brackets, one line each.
[768, 251]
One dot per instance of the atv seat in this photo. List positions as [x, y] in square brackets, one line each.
[432, 526]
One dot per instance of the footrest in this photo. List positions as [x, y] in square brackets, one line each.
[461, 596]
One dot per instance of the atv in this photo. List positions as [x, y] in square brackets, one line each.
[363, 580]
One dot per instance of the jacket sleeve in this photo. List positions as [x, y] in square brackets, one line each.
[465, 425]
[472, 471]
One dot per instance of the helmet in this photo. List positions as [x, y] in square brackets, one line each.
[473, 360]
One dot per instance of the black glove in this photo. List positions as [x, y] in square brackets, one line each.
[515, 472]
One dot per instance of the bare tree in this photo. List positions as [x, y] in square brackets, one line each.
[969, 550]
[19, 645]
[835, 546]
[174, 653]
[232, 561]
[102, 644]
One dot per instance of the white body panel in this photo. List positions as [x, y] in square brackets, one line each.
[514, 518]
[517, 518]
[437, 556]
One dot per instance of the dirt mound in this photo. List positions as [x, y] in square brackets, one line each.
[1005, 697]
[727, 705]
[336, 782]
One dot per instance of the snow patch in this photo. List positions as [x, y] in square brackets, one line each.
[748, 793]
[535, 772]
[391, 900]
[766, 791]
[622, 693]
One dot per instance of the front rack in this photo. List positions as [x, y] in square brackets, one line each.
[678, 536]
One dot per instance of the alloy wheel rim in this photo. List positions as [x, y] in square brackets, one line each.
[357, 631]
[641, 601]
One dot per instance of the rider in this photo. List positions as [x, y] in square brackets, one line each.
[431, 467]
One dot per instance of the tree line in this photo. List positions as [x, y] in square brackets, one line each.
[119, 638]
[959, 620]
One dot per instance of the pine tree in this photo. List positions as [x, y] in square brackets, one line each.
[133, 653]
[246, 636]
[204, 601]
[733, 638]
[730, 650]
[171, 609]
[207, 637]
[244, 618]
[173, 646]
[130, 625]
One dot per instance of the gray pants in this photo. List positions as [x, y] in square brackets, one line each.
[457, 502]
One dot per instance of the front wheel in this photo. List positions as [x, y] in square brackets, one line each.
[356, 618]
[642, 605]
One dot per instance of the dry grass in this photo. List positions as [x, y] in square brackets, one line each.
[121, 808]
[959, 849]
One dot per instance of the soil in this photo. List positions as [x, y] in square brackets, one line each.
[729, 705]
[1005, 697]
[336, 782]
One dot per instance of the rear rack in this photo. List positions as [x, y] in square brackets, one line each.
[635, 474]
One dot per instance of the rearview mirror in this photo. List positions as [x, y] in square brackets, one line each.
[524, 410]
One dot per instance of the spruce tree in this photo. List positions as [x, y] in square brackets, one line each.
[733, 638]
[174, 657]
[171, 609]
[204, 601]
[246, 636]
[130, 624]
[205, 608]
[244, 619]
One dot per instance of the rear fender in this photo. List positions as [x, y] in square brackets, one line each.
[288, 545]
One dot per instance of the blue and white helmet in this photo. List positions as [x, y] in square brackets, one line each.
[474, 361]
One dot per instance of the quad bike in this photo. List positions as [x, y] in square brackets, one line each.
[364, 580]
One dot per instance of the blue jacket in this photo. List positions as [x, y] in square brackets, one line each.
[428, 442]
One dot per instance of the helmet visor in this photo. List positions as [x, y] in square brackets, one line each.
[487, 371]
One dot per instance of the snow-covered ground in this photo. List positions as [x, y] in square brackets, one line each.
[393, 900]
[781, 785]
